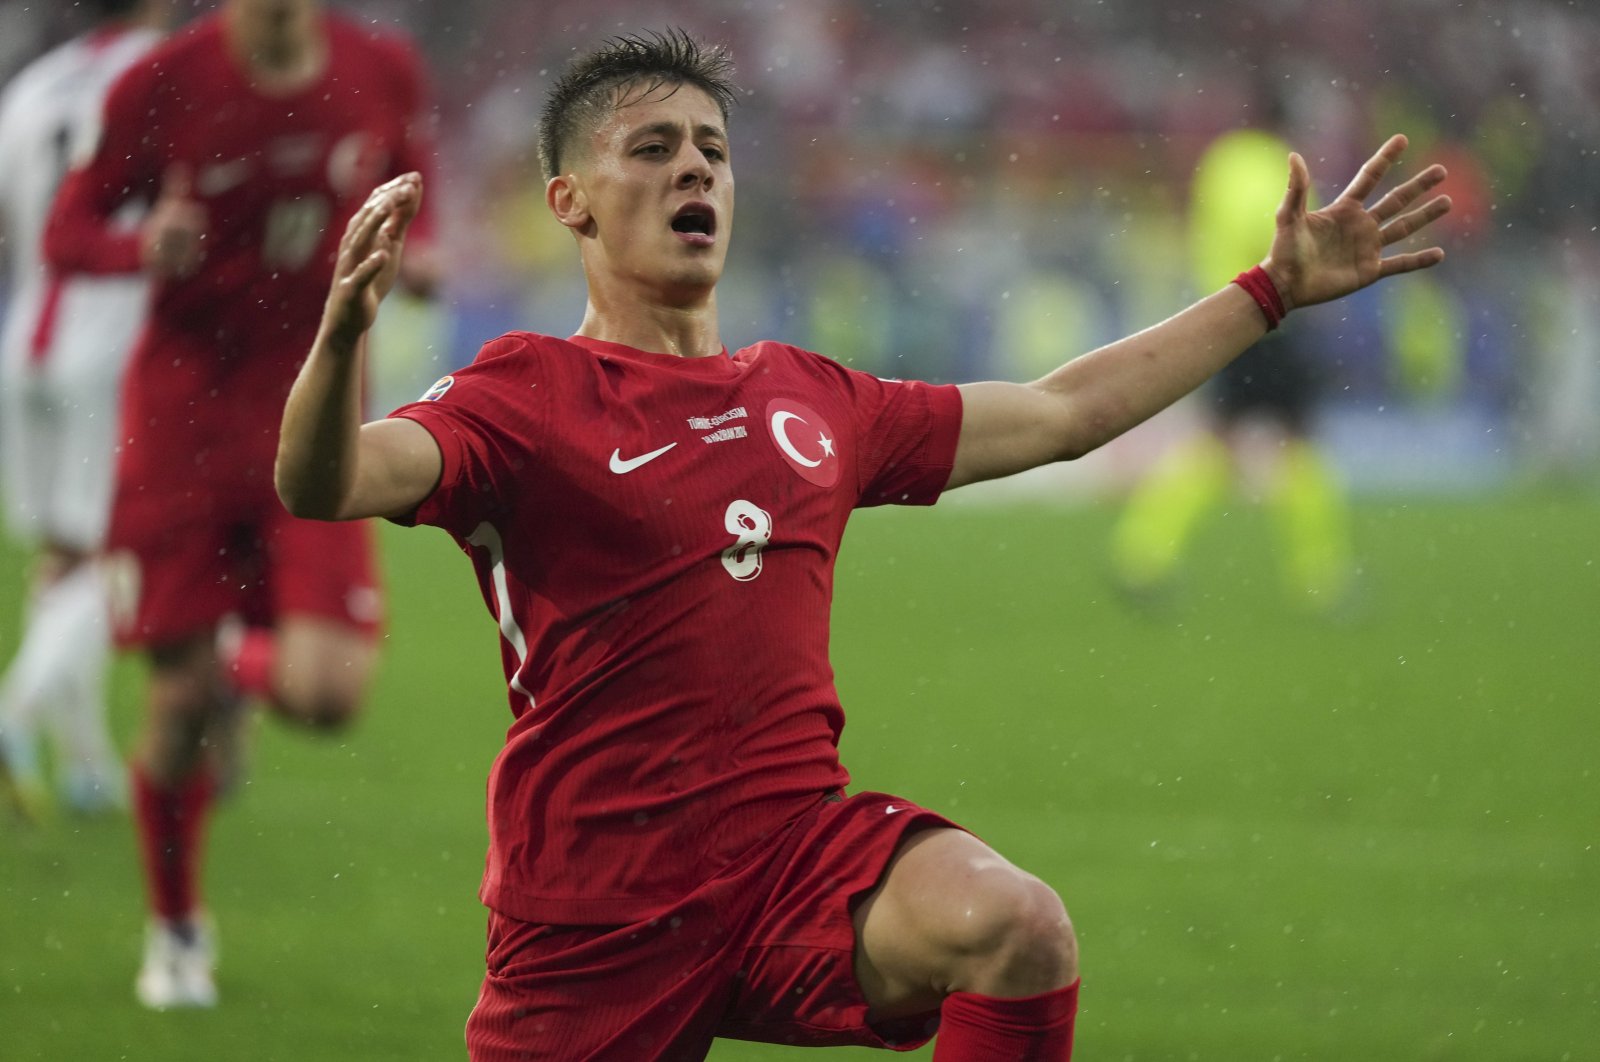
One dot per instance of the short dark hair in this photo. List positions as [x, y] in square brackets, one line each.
[582, 96]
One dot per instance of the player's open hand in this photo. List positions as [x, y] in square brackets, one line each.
[369, 257]
[1323, 254]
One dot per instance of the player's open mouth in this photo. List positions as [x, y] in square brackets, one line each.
[696, 224]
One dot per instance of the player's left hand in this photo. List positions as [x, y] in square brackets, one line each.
[1322, 254]
[369, 258]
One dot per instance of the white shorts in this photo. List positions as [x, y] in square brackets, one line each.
[59, 412]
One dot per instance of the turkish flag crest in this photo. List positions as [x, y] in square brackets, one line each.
[804, 440]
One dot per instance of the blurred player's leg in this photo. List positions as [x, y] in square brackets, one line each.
[54, 679]
[1149, 540]
[20, 777]
[245, 656]
[309, 671]
[24, 493]
[89, 769]
[314, 583]
[1312, 514]
[21, 697]
[313, 667]
[321, 670]
[173, 793]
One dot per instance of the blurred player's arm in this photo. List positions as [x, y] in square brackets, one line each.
[1316, 256]
[330, 465]
[81, 238]
[81, 235]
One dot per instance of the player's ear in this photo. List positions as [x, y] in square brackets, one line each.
[564, 195]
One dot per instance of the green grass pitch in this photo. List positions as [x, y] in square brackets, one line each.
[1279, 838]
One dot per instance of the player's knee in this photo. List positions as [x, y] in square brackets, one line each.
[321, 683]
[332, 714]
[1017, 939]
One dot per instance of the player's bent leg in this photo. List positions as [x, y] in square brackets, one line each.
[321, 670]
[952, 925]
[952, 915]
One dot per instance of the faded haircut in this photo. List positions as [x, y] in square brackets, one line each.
[623, 70]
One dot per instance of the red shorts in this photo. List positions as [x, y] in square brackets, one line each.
[171, 581]
[764, 951]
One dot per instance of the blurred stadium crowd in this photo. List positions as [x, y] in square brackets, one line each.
[968, 188]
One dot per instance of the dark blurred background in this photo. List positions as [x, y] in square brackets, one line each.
[960, 189]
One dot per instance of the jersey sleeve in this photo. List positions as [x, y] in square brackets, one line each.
[906, 433]
[79, 236]
[485, 436]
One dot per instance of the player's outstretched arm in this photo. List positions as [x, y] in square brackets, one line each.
[1316, 256]
[330, 466]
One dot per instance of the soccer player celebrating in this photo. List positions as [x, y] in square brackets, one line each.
[653, 522]
[257, 131]
[66, 340]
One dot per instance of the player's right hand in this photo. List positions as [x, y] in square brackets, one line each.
[171, 238]
[369, 258]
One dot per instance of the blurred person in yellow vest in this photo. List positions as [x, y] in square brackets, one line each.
[1257, 411]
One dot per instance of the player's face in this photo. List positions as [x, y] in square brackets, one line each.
[659, 190]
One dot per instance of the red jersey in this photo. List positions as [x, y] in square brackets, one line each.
[656, 538]
[278, 177]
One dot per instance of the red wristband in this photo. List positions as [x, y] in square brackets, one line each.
[1261, 288]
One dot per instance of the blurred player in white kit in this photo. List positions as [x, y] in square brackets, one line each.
[65, 342]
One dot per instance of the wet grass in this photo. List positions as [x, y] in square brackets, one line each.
[1281, 837]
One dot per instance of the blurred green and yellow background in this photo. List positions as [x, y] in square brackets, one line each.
[1283, 835]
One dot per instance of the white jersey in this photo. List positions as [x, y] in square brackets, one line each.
[66, 339]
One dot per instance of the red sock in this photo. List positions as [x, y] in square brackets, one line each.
[169, 822]
[974, 1028]
[249, 663]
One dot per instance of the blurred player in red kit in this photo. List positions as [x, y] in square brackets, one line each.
[61, 357]
[653, 522]
[257, 131]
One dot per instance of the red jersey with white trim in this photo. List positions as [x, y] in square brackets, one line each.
[656, 538]
[278, 176]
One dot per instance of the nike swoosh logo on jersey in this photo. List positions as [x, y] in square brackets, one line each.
[619, 465]
[891, 809]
